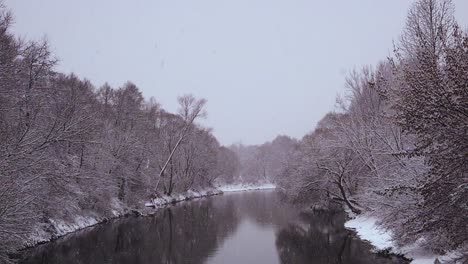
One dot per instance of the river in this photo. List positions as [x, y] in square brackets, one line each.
[240, 228]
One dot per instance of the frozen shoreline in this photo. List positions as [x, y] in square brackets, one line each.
[367, 228]
[246, 187]
[61, 227]
[189, 195]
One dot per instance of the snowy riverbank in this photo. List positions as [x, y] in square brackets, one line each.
[367, 228]
[189, 195]
[246, 187]
[55, 228]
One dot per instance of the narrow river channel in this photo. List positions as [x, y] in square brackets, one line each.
[245, 227]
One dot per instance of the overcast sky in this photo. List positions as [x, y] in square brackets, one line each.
[266, 67]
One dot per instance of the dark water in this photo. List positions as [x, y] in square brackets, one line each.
[249, 227]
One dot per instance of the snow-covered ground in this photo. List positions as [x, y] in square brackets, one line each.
[45, 232]
[367, 229]
[58, 228]
[191, 194]
[246, 187]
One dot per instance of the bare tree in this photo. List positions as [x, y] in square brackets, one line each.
[190, 109]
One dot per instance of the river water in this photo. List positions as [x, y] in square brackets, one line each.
[240, 228]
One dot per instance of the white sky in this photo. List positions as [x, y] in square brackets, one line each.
[267, 67]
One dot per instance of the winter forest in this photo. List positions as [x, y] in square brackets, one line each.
[396, 146]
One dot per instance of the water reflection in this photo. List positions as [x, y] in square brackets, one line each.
[323, 240]
[253, 227]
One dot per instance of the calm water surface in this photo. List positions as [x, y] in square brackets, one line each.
[248, 227]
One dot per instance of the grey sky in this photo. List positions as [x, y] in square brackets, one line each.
[267, 67]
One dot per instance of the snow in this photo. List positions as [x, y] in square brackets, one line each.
[189, 195]
[246, 187]
[117, 207]
[80, 222]
[39, 235]
[368, 229]
[45, 232]
[192, 194]
[421, 255]
[61, 228]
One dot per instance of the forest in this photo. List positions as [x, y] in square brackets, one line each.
[68, 148]
[395, 147]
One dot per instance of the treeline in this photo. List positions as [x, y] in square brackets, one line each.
[265, 162]
[68, 148]
[398, 144]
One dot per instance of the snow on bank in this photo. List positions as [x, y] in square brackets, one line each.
[45, 232]
[421, 255]
[57, 228]
[80, 222]
[246, 187]
[189, 195]
[367, 229]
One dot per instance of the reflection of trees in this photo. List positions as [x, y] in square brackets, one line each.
[323, 239]
[265, 208]
[186, 233]
[192, 232]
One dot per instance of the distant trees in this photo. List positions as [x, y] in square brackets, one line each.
[397, 145]
[229, 165]
[264, 163]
